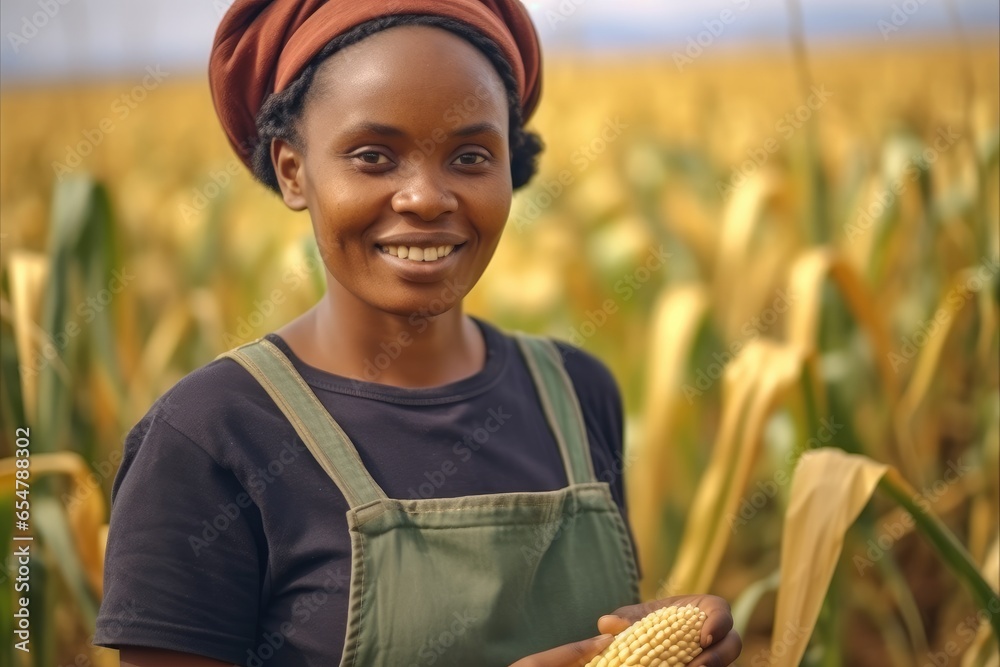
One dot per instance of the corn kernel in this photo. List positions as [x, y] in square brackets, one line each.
[667, 636]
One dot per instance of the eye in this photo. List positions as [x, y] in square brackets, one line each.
[469, 159]
[373, 157]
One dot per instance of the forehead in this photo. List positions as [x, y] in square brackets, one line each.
[413, 73]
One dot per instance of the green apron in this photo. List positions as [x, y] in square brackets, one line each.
[477, 580]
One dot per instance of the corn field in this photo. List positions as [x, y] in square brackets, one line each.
[790, 264]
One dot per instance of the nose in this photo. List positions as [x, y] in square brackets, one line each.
[424, 193]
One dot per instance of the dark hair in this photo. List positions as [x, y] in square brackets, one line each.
[280, 113]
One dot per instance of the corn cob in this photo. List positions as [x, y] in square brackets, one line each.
[667, 636]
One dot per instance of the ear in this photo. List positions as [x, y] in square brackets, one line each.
[289, 168]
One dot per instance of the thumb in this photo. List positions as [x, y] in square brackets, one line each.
[610, 624]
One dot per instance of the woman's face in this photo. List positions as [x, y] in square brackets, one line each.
[404, 165]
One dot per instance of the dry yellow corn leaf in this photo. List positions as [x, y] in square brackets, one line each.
[959, 292]
[27, 272]
[735, 263]
[754, 383]
[829, 490]
[679, 313]
[808, 274]
[85, 509]
[985, 650]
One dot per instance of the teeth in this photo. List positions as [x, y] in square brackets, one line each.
[416, 254]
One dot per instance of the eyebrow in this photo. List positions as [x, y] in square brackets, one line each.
[392, 131]
[478, 128]
[368, 127]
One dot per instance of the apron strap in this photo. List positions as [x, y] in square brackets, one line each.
[324, 437]
[562, 408]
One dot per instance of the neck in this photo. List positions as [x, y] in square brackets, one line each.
[348, 337]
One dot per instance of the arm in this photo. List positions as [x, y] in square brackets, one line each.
[155, 657]
[165, 585]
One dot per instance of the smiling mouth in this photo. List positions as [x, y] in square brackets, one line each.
[419, 253]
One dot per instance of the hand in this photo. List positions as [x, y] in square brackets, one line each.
[576, 654]
[722, 645]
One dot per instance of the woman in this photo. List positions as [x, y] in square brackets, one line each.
[383, 480]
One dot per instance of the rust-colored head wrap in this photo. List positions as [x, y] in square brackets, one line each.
[261, 46]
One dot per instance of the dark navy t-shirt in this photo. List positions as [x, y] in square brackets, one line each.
[228, 540]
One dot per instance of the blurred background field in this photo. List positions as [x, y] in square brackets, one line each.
[835, 252]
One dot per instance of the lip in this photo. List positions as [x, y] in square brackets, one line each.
[421, 272]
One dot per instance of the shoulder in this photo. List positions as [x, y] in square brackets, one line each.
[590, 375]
[594, 384]
[596, 390]
[210, 409]
[217, 392]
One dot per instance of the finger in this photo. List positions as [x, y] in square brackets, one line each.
[722, 653]
[576, 654]
[718, 622]
[633, 612]
[612, 624]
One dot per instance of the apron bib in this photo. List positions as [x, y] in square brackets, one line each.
[476, 580]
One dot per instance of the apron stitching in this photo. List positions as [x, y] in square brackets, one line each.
[361, 596]
[301, 428]
[549, 411]
[575, 408]
[348, 446]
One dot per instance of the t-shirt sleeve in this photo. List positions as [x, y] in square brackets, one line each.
[603, 415]
[182, 567]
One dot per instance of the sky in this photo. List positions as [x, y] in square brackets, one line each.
[70, 39]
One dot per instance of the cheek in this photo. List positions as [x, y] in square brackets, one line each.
[340, 220]
[493, 204]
